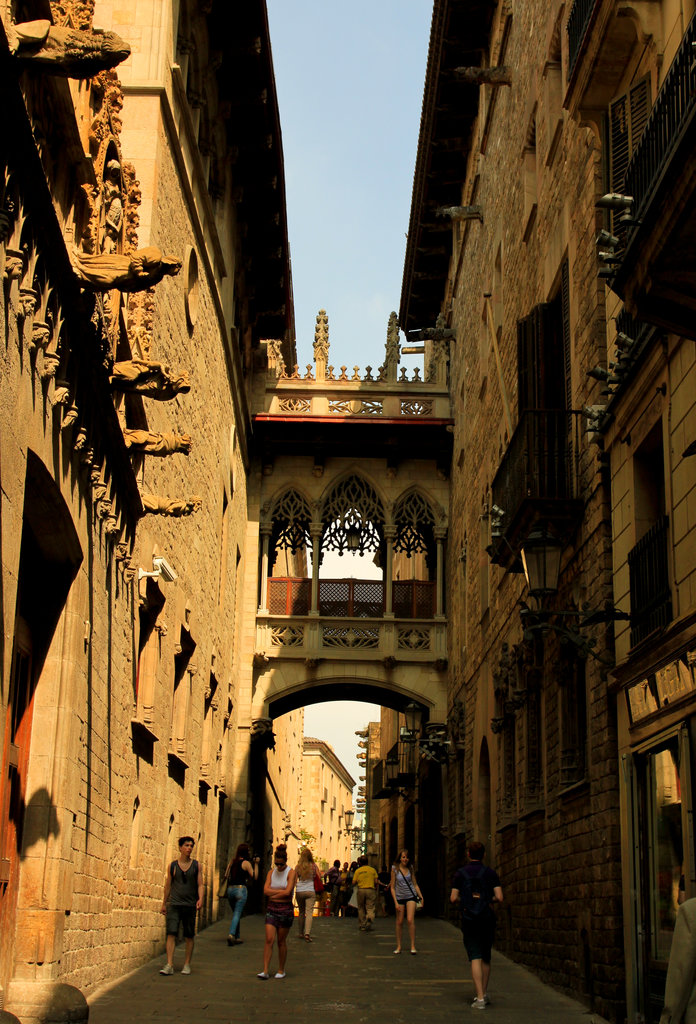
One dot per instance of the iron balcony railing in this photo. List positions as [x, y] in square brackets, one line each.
[411, 599]
[651, 594]
[662, 133]
[540, 464]
[578, 24]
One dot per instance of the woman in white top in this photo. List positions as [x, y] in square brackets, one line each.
[306, 895]
[280, 881]
[406, 894]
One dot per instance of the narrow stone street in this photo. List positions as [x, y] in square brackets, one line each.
[344, 975]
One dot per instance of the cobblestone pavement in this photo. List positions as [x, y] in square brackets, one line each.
[344, 976]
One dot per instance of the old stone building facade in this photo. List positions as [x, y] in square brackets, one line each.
[327, 793]
[568, 317]
[144, 257]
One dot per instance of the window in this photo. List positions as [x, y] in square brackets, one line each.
[529, 171]
[543, 353]
[628, 115]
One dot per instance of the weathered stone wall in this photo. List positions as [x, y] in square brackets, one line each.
[536, 174]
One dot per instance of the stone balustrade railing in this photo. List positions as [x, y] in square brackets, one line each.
[362, 639]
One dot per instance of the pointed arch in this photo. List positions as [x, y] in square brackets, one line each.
[290, 516]
[415, 518]
[352, 504]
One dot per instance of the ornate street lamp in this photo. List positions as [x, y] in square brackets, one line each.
[353, 538]
[541, 561]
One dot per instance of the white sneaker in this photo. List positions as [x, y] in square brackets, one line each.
[479, 1004]
[167, 969]
[280, 974]
[263, 976]
[186, 969]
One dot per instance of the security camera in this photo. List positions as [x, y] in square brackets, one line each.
[615, 201]
[165, 570]
[497, 511]
[610, 257]
[607, 239]
[623, 341]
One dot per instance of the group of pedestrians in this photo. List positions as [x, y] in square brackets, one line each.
[475, 887]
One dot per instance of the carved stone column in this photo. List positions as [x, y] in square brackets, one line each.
[389, 534]
[316, 530]
[439, 537]
[265, 545]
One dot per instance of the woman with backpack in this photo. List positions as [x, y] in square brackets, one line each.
[407, 897]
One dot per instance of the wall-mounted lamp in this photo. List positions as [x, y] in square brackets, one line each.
[541, 561]
[353, 538]
[348, 817]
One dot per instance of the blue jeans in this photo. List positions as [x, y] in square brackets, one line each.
[237, 897]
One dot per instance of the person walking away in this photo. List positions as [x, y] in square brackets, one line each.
[406, 895]
[305, 891]
[476, 887]
[183, 896]
[280, 882]
[331, 880]
[365, 880]
[344, 889]
[241, 872]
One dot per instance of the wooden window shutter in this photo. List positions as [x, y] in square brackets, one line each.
[628, 115]
[565, 317]
[526, 364]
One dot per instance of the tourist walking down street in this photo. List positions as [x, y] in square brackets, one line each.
[345, 889]
[331, 878]
[305, 891]
[406, 895]
[365, 880]
[183, 895]
[241, 872]
[280, 882]
[476, 887]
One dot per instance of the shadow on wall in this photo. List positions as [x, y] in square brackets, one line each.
[38, 821]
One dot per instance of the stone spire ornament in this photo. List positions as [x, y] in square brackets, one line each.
[321, 344]
[393, 354]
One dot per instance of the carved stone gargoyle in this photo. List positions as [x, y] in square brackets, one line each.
[65, 51]
[134, 272]
[153, 504]
[151, 443]
[153, 380]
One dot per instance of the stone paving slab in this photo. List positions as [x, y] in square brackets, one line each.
[344, 976]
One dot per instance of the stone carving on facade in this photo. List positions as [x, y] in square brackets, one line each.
[175, 508]
[133, 272]
[436, 371]
[149, 442]
[112, 205]
[153, 380]
[393, 348]
[262, 733]
[65, 51]
[457, 725]
[321, 344]
[274, 356]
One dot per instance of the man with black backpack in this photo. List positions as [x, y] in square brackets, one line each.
[477, 887]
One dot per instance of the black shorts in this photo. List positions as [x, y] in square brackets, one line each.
[478, 936]
[185, 916]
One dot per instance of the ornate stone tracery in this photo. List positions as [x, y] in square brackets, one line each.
[352, 503]
[291, 518]
[415, 522]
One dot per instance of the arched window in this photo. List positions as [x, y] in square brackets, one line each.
[353, 517]
[291, 517]
[414, 521]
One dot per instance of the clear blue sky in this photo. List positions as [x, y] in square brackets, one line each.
[350, 86]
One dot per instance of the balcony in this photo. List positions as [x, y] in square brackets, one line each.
[302, 637]
[537, 481]
[350, 598]
[380, 788]
[657, 278]
[579, 21]
[651, 594]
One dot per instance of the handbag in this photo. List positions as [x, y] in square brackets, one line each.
[419, 901]
[353, 901]
[318, 884]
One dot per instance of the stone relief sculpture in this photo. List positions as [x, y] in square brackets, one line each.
[151, 443]
[113, 207]
[153, 504]
[68, 52]
[274, 355]
[133, 272]
[154, 380]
